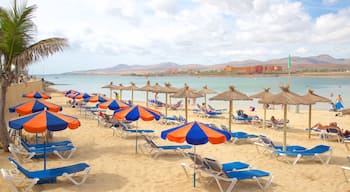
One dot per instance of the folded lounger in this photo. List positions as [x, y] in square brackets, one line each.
[313, 152]
[50, 175]
[63, 152]
[150, 145]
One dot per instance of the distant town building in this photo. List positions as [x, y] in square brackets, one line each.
[257, 69]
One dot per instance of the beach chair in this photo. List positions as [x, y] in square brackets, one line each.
[26, 154]
[238, 175]
[346, 170]
[123, 130]
[17, 182]
[267, 145]
[50, 175]
[243, 136]
[220, 169]
[214, 109]
[176, 106]
[212, 114]
[150, 146]
[314, 152]
[42, 145]
[334, 132]
[171, 120]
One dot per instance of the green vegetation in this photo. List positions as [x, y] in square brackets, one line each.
[18, 50]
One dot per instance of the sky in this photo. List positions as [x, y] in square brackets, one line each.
[106, 33]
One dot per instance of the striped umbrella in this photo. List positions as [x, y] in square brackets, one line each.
[36, 95]
[33, 106]
[135, 113]
[196, 133]
[112, 105]
[40, 122]
[97, 98]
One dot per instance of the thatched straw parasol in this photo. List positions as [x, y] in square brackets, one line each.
[284, 98]
[132, 87]
[313, 98]
[168, 89]
[186, 92]
[230, 95]
[204, 91]
[265, 93]
[148, 87]
[110, 86]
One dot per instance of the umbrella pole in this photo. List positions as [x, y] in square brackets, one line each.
[45, 153]
[285, 128]
[186, 109]
[146, 98]
[166, 104]
[264, 116]
[136, 137]
[132, 96]
[194, 167]
[309, 121]
[229, 116]
[121, 95]
[205, 99]
[110, 93]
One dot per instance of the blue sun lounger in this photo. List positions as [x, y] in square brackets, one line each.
[50, 175]
[63, 152]
[313, 152]
[150, 145]
[236, 175]
[236, 136]
[268, 145]
[42, 145]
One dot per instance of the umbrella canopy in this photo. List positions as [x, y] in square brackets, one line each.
[135, 113]
[45, 120]
[132, 87]
[196, 133]
[112, 105]
[97, 98]
[260, 95]
[33, 106]
[230, 95]
[36, 95]
[313, 98]
[204, 91]
[148, 87]
[186, 92]
[170, 89]
[81, 96]
[109, 86]
[69, 92]
[284, 98]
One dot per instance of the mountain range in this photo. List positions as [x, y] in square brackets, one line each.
[320, 62]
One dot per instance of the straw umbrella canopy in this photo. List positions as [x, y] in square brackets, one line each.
[148, 87]
[110, 86]
[284, 98]
[204, 91]
[230, 95]
[313, 98]
[132, 87]
[186, 92]
[120, 87]
[171, 90]
[160, 89]
[264, 93]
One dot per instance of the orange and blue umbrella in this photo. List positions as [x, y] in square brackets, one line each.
[135, 113]
[96, 98]
[196, 133]
[113, 105]
[34, 106]
[40, 122]
[81, 96]
[36, 95]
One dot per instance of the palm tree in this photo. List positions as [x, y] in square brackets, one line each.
[18, 50]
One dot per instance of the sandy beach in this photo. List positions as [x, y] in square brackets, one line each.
[116, 167]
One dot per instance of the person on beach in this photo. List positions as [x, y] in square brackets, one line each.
[339, 99]
[324, 127]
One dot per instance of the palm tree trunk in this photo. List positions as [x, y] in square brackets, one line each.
[4, 137]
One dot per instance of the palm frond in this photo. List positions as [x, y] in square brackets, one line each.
[39, 50]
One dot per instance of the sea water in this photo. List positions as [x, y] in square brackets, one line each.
[324, 86]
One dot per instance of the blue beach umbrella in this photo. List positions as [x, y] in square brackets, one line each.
[112, 105]
[135, 113]
[40, 122]
[36, 95]
[34, 106]
[196, 133]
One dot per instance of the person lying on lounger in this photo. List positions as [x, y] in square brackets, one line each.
[333, 125]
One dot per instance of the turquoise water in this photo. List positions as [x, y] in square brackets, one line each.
[248, 85]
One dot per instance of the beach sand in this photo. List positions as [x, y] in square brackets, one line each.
[116, 167]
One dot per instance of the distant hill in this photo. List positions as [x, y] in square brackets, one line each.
[320, 62]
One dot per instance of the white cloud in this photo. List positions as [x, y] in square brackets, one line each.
[329, 1]
[197, 31]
